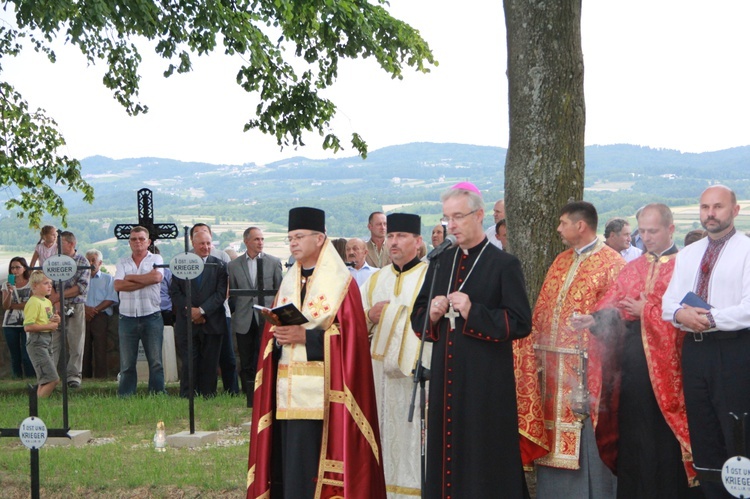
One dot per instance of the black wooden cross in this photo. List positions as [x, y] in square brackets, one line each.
[51, 432]
[259, 292]
[146, 219]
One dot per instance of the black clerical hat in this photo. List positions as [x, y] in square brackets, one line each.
[307, 218]
[404, 222]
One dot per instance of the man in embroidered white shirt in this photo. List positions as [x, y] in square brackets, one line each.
[716, 348]
[387, 298]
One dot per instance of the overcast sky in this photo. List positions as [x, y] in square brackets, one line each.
[665, 74]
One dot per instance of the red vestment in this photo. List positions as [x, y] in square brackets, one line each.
[574, 284]
[534, 443]
[662, 344]
[350, 462]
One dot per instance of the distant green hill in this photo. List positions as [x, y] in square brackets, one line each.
[414, 172]
[416, 164]
[349, 188]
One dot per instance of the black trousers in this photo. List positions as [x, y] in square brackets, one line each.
[228, 364]
[248, 346]
[95, 347]
[206, 351]
[716, 380]
[649, 458]
[300, 442]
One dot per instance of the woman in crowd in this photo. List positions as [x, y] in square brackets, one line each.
[16, 292]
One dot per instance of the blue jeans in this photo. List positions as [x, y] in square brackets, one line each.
[150, 331]
[15, 337]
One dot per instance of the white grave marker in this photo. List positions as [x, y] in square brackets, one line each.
[735, 474]
[59, 267]
[33, 433]
[186, 265]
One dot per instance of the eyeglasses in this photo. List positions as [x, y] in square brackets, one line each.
[297, 237]
[456, 218]
[139, 239]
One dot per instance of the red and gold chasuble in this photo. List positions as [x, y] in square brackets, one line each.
[534, 443]
[662, 344]
[339, 390]
[573, 285]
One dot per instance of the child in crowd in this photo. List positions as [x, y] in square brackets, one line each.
[40, 322]
[46, 247]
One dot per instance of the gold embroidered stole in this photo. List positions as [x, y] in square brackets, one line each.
[401, 289]
[300, 383]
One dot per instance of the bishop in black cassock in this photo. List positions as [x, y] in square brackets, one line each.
[472, 437]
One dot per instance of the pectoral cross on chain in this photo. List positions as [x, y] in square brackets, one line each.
[451, 315]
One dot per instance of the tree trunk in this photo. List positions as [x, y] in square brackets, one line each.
[545, 162]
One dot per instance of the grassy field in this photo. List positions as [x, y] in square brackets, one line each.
[120, 460]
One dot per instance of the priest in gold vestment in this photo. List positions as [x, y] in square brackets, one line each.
[388, 297]
[576, 281]
[314, 432]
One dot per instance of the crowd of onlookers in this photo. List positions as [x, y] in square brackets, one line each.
[630, 341]
[91, 309]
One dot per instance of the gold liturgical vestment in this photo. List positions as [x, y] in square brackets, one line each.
[573, 285]
[300, 383]
[394, 350]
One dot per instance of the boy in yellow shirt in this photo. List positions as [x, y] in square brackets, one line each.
[41, 321]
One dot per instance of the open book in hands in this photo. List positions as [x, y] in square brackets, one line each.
[284, 315]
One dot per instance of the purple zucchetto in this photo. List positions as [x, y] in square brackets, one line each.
[468, 186]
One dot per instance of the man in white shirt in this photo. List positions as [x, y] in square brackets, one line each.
[138, 282]
[617, 237]
[99, 301]
[498, 213]
[716, 347]
[356, 252]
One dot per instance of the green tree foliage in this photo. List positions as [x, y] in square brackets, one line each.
[318, 32]
[292, 50]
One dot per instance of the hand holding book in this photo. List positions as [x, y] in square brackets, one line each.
[693, 300]
[284, 315]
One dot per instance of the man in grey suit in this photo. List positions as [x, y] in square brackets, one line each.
[206, 312]
[258, 271]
